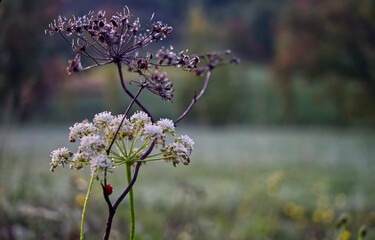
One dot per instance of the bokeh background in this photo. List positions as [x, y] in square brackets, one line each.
[285, 141]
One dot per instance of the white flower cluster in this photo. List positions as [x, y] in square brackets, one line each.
[140, 117]
[125, 131]
[100, 163]
[91, 145]
[179, 151]
[103, 119]
[59, 157]
[95, 136]
[81, 129]
[166, 125]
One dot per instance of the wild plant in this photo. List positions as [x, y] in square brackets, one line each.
[110, 141]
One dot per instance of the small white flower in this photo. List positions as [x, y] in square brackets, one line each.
[81, 157]
[179, 151]
[152, 131]
[186, 141]
[91, 145]
[125, 130]
[100, 163]
[78, 130]
[59, 157]
[140, 117]
[167, 125]
[102, 119]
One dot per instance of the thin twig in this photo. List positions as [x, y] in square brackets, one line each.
[130, 94]
[123, 118]
[195, 99]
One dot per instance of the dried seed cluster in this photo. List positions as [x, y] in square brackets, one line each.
[119, 40]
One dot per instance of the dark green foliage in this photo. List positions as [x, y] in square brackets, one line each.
[330, 41]
[21, 59]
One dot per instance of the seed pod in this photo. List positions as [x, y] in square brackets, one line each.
[114, 23]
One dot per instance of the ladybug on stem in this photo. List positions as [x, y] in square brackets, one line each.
[109, 189]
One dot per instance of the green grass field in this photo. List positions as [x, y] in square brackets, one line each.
[243, 183]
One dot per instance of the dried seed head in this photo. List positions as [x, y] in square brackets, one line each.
[119, 40]
[74, 65]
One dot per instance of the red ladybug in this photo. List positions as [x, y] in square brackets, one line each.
[109, 189]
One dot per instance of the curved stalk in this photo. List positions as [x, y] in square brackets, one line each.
[196, 98]
[131, 202]
[85, 205]
[119, 69]
[126, 112]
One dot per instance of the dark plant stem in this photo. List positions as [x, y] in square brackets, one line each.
[111, 214]
[112, 208]
[195, 99]
[126, 113]
[119, 68]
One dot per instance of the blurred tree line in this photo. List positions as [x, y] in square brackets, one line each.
[23, 57]
[320, 54]
[329, 43]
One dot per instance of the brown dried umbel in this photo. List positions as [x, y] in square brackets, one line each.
[119, 39]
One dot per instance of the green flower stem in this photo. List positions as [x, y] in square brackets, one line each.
[131, 202]
[121, 149]
[135, 139]
[85, 205]
[155, 155]
[124, 146]
[151, 160]
[139, 150]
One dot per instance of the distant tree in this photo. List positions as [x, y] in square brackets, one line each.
[334, 41]
[248, 26]
[22, 24]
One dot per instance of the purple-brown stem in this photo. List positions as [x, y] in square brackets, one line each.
[119, 68]
[126, 113]
[112, 208]
[195, 99]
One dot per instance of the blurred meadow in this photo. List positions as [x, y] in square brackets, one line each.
[284, 141]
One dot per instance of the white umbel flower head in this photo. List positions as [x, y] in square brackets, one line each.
[125, 130]
[153, 132]
[167, 125]
[91, 145]
[102, 119]
[186, 141]
[79, 159]
[179, 151]
[140, 118]
[59, 157]
[78, 130]
[100, 163]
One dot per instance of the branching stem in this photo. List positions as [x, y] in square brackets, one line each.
[119, 68]
[122, 121]
[112, 208]
[195, 99]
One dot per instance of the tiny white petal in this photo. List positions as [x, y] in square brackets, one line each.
[167, 125]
